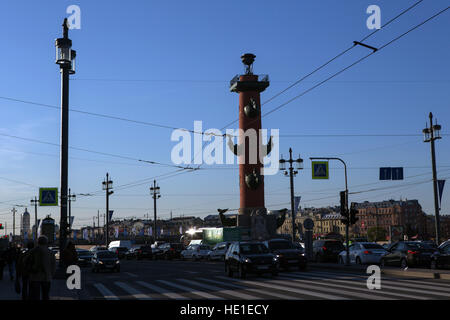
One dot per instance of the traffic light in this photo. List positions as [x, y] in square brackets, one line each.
[344, 212]
[353, 213]
[1, 226]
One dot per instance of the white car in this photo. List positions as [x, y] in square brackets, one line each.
[363, 253]
[196, 252]
[218, 251]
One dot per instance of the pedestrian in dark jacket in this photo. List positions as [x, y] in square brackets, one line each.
[69, 256]
[2, 263]
[22, 271]
[42, 266]
[11, 257]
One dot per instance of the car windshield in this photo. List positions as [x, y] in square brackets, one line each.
[419, 245]
[253, 248]
[372, 246]
[106, 254]
[276, 245]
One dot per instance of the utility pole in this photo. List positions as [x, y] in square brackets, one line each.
[292, 173]
[14, 221]
[155, 195]
[430, 135]
[71, 197]
[65, 58]
[35, 203]
[107, 186]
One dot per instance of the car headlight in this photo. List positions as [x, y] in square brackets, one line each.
[275, 259]
[247, 260]
[117, 261]
[100, 262]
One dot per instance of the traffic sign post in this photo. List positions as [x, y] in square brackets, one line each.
[388, 173]
[48, 196]
[320, 169]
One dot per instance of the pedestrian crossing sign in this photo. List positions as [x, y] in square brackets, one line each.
[48, 196]
[320, 169]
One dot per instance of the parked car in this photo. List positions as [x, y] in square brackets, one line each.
[120, 243]
[156, 247]
[98, 248]
[408, 254]
[249, 257]
[105, 260]
[363, 253]
[169, 251]
[218, 251]
[120, 251]
[440, 259]
[84, 257]
[288, 254]
[195, 252]
[139, 253]
[327, 250]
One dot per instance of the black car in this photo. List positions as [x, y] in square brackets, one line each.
[327, 250]
[440, 259]
[139, 253]
[120, 251]
[84, 257]
[288, 254]
[249, 257]
[105, 260]
[169, 251]
[408, 254]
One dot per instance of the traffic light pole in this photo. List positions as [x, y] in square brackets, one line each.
[347, 255]
[35, 202]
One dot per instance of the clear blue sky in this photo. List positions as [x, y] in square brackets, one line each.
[183, 54]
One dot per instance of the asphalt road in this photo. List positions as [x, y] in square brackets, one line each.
[207, 280]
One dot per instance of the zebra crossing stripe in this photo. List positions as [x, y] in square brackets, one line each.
[270, 294]
[398, 288]
[162, 291]
[326, 286]
[289, 289]
[432, 283]
[407, 283]
[105, 292]
[135, 293]
[196, 292]
[220, 290]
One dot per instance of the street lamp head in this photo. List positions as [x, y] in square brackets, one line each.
[282, 163]
[436, 130]
[426, 134]
[63, 45]
[299, 163]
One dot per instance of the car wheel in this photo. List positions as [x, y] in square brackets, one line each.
[318, 258]
[117, 269]
[358, 260]
[403, 263]
[382, 263]
[433, 264]
[302, 267]
[274, 273]
[241, 272]
[341, 260]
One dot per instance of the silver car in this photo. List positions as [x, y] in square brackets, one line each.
[196, 252]
[218, 251]
[363, 253]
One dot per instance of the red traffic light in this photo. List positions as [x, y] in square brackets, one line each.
[1, 226]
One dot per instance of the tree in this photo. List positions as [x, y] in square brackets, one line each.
[376, 234]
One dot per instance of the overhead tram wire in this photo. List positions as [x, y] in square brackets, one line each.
[334, 58]
[209, 133]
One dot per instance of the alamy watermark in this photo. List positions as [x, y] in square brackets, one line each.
[74, 20]
[74, 279]
[374, 20]
[257, 143]
[374, 280]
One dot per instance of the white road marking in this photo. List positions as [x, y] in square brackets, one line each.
[162, 291]
[194, 291]
[220, 290]
[135, 293]
[105, 292]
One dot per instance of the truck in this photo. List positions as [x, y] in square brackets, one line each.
[212, 236]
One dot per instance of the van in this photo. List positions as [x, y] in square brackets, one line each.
[120, 243]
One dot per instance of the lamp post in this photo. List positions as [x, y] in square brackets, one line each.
[65, 58]
[299, 166]
[347, 256]
[35, 202]
[107, 186]
[430, 135]
[155, 195]
[71, 197]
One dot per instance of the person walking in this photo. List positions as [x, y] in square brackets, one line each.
[22, 273]
[11, 257]
[2, 263]
[41, 265]
[69, 256]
